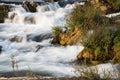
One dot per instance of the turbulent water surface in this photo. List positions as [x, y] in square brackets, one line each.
[25, 38]
[32, 47]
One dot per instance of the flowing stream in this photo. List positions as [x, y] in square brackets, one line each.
[25, 38]
[33, 31]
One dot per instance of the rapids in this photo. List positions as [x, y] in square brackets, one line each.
[50, 59]
[25, 38]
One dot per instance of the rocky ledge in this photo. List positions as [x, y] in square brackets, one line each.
[4, 9]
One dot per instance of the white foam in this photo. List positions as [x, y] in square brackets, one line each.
[112, 15]
[49, 59]
[25, 52]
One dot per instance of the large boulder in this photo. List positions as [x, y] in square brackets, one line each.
[29, 6]
[67, 38]
[4, 9]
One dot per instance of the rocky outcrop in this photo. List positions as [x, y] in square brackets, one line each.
[67, 38]
[85, 55]
[4, 12]
[29, 6]
[16, 39]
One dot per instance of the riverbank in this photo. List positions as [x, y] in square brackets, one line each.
[26, 45]
[43, 78]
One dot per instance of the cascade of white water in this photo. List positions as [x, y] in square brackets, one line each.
[53, 6]
[18, 15]
[48, 7]
[18, 38]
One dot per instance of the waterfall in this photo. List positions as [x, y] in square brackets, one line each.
[46, 14]
[26, 37]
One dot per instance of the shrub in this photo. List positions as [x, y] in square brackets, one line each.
[115, 4]
[85, 17]
[56, 30]
[116, 46]
[103, 43]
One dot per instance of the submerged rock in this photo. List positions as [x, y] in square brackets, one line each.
[38, 47]
[51, 0]
[16, 39]
[38, 37]
[29, 20]
[63, 3]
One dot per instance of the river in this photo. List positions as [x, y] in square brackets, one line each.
[33, 49]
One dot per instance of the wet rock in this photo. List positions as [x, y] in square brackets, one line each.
[67, 38]
[29, 6]
[85, 56]
[12, 16]
[38, 47]
[16, 39]
[38, 37]
[51, 0]
[0, 49]
[63, 3]
[4, 9]
[29, 20]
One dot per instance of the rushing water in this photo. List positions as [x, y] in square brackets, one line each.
[32, 29]
[33, 49]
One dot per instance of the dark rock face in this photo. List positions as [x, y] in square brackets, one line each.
[62, 3]
[50, 0]
[38, 37]
[0, 49]
[3, 12]
[16, 39]
[29, 6]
